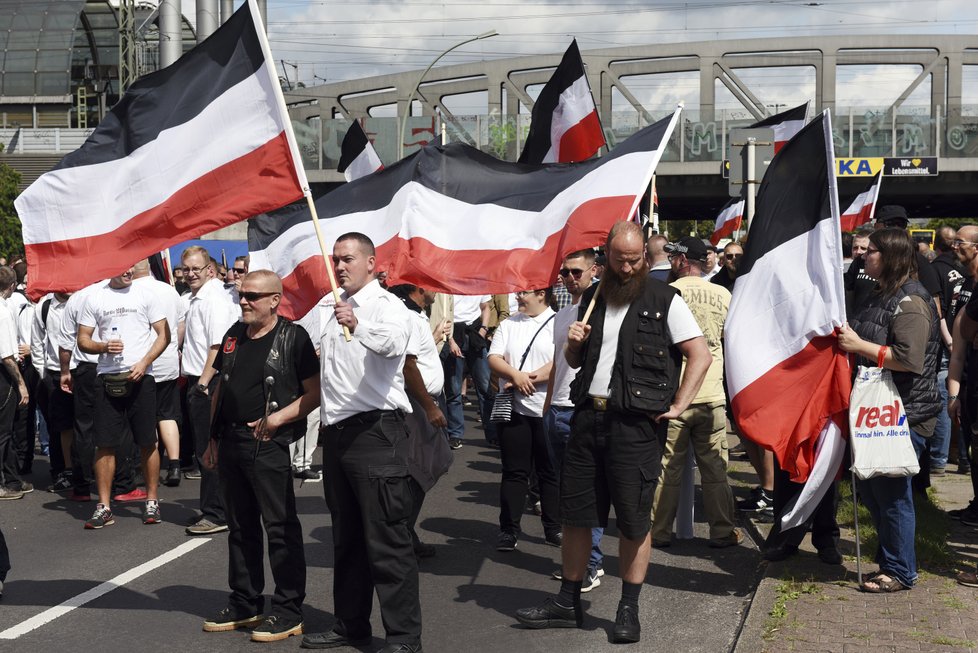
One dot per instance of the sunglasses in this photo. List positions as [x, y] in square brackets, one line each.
[255, 296]
[238, 270]
[566, 272]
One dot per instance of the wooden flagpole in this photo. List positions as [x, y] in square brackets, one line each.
[594, 299]
[326, 257]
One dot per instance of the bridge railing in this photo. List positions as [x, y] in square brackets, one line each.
[858, 132]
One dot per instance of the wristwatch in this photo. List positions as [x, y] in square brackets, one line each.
[202, 387]
[952, 397]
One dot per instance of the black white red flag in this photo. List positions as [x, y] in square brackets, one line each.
[456, 220]
[785, 124]
[564, 125]
[357, 156]
[729, 220]
[861, 210]
[197, 146]
[789, 381]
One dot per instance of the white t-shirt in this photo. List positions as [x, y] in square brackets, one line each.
[210, 314]
[8, 346]
[681, 324]
[467, 307]
[563, 373]
[167, 366]
[421, 344]
[131, 311]
[10, 326]
[69, 324]
[511, 340]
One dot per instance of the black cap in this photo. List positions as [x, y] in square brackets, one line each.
[693, 248]
[892, 215]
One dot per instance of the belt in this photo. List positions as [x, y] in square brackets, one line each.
[599, 404]
[367, 417]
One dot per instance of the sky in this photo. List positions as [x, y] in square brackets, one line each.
[335, 40]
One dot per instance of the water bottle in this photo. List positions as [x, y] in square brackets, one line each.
[114, 336]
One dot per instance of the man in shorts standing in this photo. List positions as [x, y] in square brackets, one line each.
[131, 331]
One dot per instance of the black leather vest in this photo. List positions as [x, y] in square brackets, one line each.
[279, 365]
[645, 375]
[872, 323]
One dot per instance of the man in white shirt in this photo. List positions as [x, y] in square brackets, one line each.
[576, 274]
[55, 404]
[166, 370]
[131, 333]
[12, 387]
[629, 386]
[424, 381]
[369, 490]
[469, 349]
[209, 316]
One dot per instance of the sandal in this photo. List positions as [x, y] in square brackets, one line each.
[887, 586]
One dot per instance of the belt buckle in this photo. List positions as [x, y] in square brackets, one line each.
[599, 403]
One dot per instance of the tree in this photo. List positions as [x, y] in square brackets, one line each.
[11, 231]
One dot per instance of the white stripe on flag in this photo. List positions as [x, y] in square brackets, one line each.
[785, 130]
[793, 301]
[575, 104]
[365, 163]
[116, 191]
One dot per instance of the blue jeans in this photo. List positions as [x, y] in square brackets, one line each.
[556, 426]
[478, 364]
[940, 442]
[890, 502]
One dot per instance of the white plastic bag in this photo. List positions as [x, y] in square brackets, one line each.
[878, 426]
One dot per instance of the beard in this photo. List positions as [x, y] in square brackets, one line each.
[622, 292]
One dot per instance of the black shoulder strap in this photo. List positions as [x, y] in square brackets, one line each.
[45, 308]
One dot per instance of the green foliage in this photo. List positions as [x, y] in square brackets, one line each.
[679, 228]
[502, 138]
[954, 223]
[11, 235]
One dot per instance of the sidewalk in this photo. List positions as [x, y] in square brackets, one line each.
[802, 604]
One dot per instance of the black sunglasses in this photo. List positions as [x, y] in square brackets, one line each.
[255, 296]
[566, 272]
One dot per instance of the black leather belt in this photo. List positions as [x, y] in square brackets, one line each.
[367, 417]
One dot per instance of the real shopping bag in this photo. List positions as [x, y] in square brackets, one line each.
[878, 426]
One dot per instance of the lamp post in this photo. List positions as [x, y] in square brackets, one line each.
[417, 85]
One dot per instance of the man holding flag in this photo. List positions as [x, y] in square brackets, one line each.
[630, 353]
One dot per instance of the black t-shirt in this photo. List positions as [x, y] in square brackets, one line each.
[927, 276]
[244, 393]
[950, 276]
[858, 283]
[722, 278]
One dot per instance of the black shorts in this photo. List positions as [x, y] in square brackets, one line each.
[56, 405]
[168, 401]
[611, 459]
[138, 410]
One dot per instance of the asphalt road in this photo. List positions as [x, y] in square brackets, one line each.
[165, 582]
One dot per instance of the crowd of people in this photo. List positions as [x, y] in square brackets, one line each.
[594, 391]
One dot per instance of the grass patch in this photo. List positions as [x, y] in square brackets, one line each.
[951, 641]
[933, 527]
[788, 589]
[953, 602]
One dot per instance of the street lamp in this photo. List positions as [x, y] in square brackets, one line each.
[417, 85]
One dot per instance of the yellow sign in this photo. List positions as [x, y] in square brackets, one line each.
[868, 167]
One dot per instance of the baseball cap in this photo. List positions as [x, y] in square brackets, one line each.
[892, 215]
[693, 248]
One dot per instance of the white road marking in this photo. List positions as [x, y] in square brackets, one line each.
[99, 590]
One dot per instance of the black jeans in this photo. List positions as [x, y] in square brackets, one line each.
[523, 445]
[371, 500]
[25, 419]
[4, 558]
[9, 467]
[824, 527]
[199, 420]
[256, 483]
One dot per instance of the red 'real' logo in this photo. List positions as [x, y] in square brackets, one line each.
[230, 344]
[873, 416]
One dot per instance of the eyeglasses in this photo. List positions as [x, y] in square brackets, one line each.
[238, 270]
[871, 250]
[962, 243]
[524, 293]
[566, 272]
[187, 270]
[249, 296]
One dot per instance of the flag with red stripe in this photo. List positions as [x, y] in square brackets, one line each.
[788, 379]
[456, 220]
[357, 156]
[729, 220]
[785, 124]
[861, 210]
[564, 125]
[188, 149]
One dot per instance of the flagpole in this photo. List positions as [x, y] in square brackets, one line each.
[855, 515]
[294, 150]
[655, 161]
